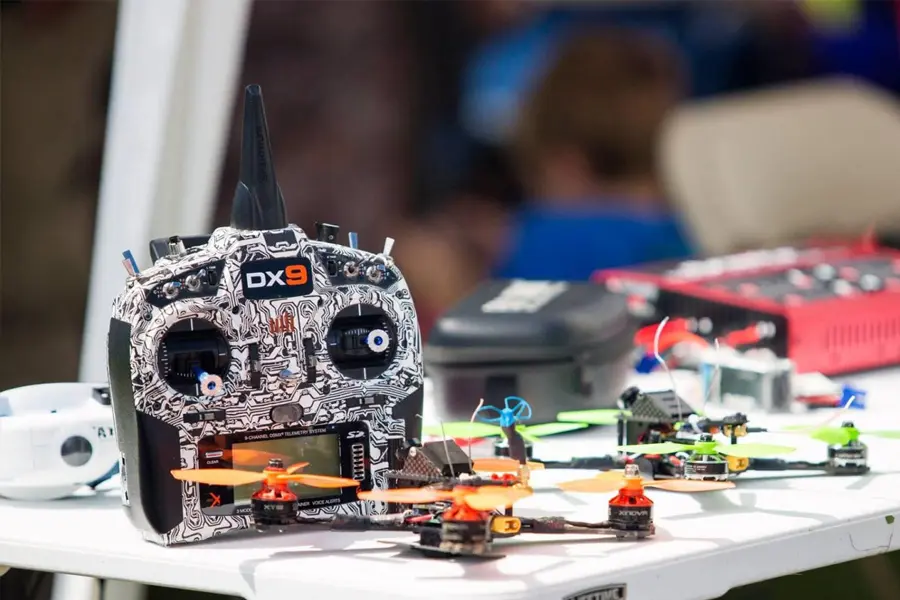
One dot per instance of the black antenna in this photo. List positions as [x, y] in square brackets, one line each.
[258, 203]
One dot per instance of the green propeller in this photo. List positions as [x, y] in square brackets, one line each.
[600, 416]
[476, 430]
[708, 448]
[840, 435]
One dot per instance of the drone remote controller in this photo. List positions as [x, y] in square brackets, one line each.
[259, 338]
[55, 439]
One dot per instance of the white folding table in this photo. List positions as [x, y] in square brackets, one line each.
[767, 527]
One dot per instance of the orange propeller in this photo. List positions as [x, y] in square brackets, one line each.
[232, 477]
[250, 457]
[611, 481]
[407, 495]
[502, 465]
[482, 499]
[319, 481]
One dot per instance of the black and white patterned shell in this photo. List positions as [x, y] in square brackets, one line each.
[243, 322]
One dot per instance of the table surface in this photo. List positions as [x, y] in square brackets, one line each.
[767, 527]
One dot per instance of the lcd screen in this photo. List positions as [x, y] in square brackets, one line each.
[322, 452]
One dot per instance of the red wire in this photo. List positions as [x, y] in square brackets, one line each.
[743, 337]
[646, 335]
[419, 519]
[669, 340]
[678, 331]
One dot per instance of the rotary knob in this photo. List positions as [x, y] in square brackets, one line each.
[375, 274]
[824, 272]
[870, 283]
[842, 287]
[351, 270]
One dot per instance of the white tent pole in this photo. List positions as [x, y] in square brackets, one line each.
[149, 38]
[174, 85]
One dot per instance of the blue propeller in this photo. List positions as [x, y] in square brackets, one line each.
[514, 411]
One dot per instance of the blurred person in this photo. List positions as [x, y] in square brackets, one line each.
[712, 37]
[585, 148]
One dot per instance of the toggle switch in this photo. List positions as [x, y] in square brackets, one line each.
[176, 246]
[375, 274]
[171, 289]
[385, 256]
[326, 232]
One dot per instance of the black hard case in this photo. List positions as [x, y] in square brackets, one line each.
[572, 353]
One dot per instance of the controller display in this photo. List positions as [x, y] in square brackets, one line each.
[323, 456]
[338, 450]
[256, 329]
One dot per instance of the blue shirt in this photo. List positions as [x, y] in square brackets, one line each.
[570, 243]
[869, 47]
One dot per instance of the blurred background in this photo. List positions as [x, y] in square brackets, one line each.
[490, 138]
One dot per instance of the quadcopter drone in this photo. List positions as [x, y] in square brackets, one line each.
[648, 418]
[473, 516]
[470, 520]
[666, 437]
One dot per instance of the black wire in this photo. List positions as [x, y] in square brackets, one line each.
[583, 525]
